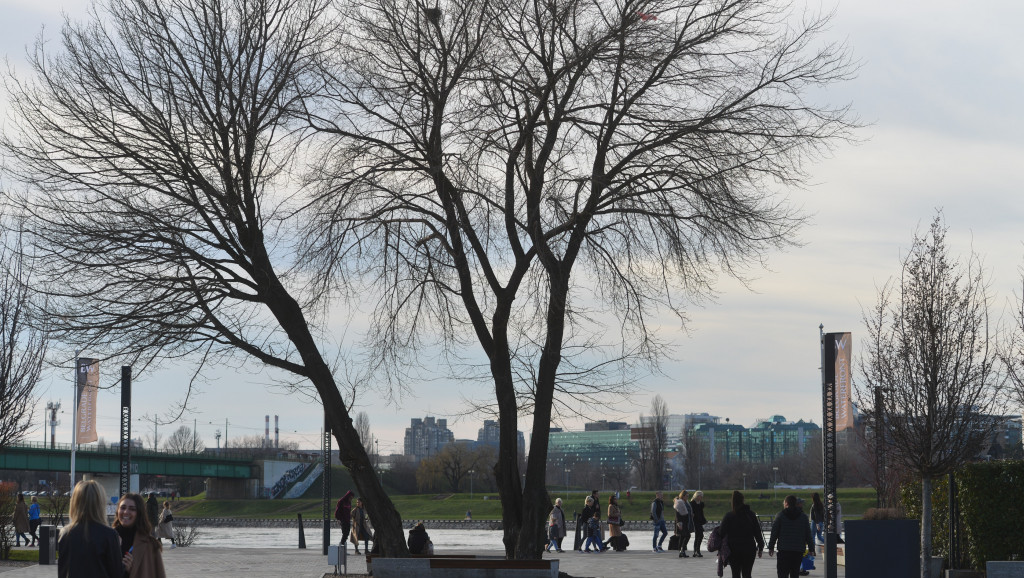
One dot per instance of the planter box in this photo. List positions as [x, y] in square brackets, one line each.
[882, 548]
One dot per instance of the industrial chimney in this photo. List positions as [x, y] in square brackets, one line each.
[277, 433]
[266, 434]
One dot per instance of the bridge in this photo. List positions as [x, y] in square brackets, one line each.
[94, 459]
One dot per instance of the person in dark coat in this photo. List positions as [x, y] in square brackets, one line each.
[87, 545]
[153, 510]
[684, 521]
[419, 540]
[343, 514]
[697, 505]
[818, 517]
[742, 531]
[792, 531]
[21, 523]
[582, 531]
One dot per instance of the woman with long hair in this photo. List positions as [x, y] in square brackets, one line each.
[88, 546]
[818, 517]
[614, 523]
[742, 531]
[136, 532]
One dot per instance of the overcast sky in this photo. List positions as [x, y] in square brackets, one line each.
[940, 87]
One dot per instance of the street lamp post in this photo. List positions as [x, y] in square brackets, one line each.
[602, 483]
[471, 472]
[567, 470]
[744, 482]
[775, 483]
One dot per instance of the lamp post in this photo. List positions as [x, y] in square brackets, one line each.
[602, 483]
[775, 483]
[567, 470]
[471, 472]
[744, 482]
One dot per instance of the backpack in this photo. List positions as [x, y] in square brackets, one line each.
[715, 539]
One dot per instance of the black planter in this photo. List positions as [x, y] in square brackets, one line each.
[877, 548]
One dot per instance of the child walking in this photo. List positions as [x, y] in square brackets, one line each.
[595, 531]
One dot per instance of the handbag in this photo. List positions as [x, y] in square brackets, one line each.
[715, 539]
[168, 518]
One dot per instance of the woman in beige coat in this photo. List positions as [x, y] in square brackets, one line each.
[165, 529]
[21, 520]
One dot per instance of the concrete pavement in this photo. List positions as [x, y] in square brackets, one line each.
[198, 562]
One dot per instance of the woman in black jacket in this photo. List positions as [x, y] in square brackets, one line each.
[697, 503]
[742, 531]
[582, 531]
[88, 547]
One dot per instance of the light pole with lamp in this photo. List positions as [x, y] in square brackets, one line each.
[471, 472]
[567, 470]
[744, 482]
[775, 483]
[602, 483]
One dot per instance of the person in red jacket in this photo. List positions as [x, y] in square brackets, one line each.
[343, 514]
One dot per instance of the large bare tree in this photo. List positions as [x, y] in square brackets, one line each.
[1012, 353]
[930, 347]
[23, 344]
[545, 178]
[156, 144]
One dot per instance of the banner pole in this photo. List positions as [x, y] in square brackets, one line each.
[74, 419]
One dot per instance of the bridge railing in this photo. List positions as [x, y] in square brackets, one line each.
[237, 454]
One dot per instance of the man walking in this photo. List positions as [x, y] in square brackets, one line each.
[658, 515]
[792, 530]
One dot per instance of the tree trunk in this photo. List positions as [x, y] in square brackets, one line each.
[926, 526]
[386, 519]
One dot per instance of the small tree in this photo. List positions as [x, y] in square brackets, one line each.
[928, 346]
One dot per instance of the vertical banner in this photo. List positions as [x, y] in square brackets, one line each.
[87, 384]
[840, 346]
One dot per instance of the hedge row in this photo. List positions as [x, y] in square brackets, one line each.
[991, 504]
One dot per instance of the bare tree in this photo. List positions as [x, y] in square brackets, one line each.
[1012, 352]
[158, 145]
[184, 441]
[929, 346]
[543, 178]
[363, 428]
[23, 346]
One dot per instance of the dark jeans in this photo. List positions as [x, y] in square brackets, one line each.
[741, 565]
[698, 537]
[346, 527]
[788, 563]
[33, 525]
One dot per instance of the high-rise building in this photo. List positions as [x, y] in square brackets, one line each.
[425, 437]
[490, 435]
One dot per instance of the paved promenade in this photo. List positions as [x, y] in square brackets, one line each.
[200, 562]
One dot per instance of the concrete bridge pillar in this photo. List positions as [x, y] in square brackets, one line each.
[227, 489]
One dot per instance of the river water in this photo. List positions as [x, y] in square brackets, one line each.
[211, 537]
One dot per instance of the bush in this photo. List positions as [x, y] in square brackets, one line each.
[991, 508]
[885, 514]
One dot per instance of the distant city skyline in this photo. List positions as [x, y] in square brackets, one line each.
[938, 93]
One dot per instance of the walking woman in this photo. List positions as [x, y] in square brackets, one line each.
[137, 541]
[360, 526]
[87, 546]
[742, 531]
[697, 505]
[818, 517]
[684, 521]
[165, 529]
[21, 524]
[556, 527]
[614, 523]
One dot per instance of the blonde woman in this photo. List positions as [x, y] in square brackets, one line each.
[87, 545]
[697, 504]
[165, 529]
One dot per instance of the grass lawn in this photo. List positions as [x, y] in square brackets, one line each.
[488, 506]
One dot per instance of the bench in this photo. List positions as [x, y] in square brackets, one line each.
[449, 566]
